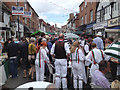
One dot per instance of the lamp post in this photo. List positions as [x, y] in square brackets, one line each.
[18, 22]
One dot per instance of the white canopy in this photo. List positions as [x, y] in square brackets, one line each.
[70, 35]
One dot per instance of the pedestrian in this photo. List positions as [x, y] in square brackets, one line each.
[78, 67]
[98, 41]
[31, 57]
[113, 66]
[99, 78]
[12, 50]
[24, 55]
[60, 50]
[40, 62]
[95, 56]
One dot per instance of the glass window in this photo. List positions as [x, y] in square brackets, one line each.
[2, 16]
[25, 20]
[91, 15]
[82, 8]
[85, 18]
[85, 3]
[25, 5]
[82, 20]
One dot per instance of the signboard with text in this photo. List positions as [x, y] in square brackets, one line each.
[27, 14]
[114, 22]
[17, 10]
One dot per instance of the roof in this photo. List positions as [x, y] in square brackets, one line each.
[32, 8]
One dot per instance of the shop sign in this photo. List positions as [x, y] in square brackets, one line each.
[100, 25]
[114, 22]
[17, 10]
[27, 14]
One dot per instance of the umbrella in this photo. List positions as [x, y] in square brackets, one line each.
[38, 32]
[114, 50]
[70, 35]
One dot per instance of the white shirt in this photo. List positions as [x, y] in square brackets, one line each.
[66, 46]
[81, 55]
[86, 48]
[98, 56]
[43, 55]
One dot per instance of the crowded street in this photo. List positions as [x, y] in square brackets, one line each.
[46, 45]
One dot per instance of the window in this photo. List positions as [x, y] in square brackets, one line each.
[118, 5]
[25, 5]
[82, 8]
[2, 16]
[85, 3]
[25, 20]
[85, 18]
[82, 20]
[91, 15]
[106, 10]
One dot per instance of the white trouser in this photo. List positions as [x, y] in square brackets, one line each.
[77, 74]
[39, 70]
[61, 72]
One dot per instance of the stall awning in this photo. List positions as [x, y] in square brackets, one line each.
[38, 33]
[113, 29]
[78, 32]
[90, 25]
[51, 33]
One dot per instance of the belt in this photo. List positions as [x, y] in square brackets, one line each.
[13, 57]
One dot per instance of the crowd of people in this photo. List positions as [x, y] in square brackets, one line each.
[86, 55]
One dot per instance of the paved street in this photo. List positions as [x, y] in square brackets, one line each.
[13, 83]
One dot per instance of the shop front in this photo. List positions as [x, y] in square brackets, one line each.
[113, 28]
[100, 27]
[89, 28]
[5, 32]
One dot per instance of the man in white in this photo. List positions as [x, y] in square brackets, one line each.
[98, 41]
[60, 51]
[95, 56]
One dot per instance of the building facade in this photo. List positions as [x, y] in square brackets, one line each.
[5, 13]
[26, 25]
[87, 17]
[107, 18]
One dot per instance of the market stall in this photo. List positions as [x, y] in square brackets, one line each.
[4, 69]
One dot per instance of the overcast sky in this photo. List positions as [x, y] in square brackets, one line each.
[55, 11]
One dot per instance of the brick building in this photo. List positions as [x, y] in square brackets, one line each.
[26, 25]
[87, 15]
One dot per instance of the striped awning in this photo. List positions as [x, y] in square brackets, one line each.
[114, 50]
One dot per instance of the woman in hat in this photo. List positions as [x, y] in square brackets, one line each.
[41, 58]
[78, 67]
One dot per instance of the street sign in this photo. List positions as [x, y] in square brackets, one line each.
[17, 10]
[27, 14]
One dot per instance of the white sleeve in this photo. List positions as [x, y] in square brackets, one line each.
[67, 48]
[44, 54]
[86, 48]
[89, 57]
[47, 50]
[106, 57]
[81, 55]
[52, 49]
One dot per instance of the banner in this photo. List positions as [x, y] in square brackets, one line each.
[17, 10]
[27, 14]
